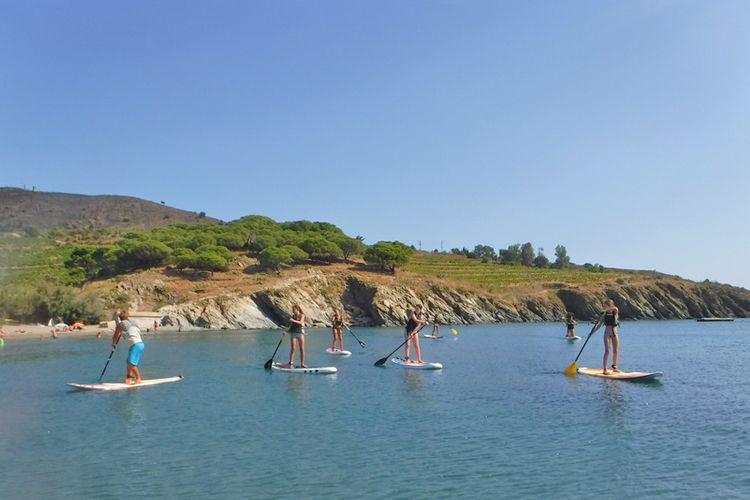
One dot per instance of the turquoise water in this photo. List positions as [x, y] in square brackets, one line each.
[500, 419]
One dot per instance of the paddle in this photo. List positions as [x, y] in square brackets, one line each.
[117, 322]
[268, 364]
[571, 369]
[361, 344]
[382, 361]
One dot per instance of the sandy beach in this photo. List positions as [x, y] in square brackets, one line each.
[41, 331]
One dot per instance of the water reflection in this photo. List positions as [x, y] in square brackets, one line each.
[297, 386]
[613, 396]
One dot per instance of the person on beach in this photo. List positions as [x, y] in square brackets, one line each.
[128, 328]
[337, 329]
[570, 322]
[610, 318]
[410, 333]
[297, 336]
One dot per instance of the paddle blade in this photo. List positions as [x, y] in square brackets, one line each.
[361, 344]
[268, 364]
[381, 361]
[571, 369]
[454, 331]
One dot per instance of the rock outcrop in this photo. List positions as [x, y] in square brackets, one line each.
[374, 304]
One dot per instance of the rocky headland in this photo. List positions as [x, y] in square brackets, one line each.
[371, 303]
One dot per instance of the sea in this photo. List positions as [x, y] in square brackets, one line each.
[500, 420]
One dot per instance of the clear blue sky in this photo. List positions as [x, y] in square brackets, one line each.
[618, 129]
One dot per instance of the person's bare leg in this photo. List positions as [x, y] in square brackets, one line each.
[301, 342]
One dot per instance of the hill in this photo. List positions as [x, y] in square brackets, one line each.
[21, 208]
[219, 275]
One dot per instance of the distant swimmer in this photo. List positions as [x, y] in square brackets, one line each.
[337, 330]
[410, 333]
[297, 336]
[570, 323]
[610, 318]
[133, 334]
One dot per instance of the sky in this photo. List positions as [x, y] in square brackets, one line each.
[618, 129]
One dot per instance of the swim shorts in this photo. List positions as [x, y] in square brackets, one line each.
[134, 353]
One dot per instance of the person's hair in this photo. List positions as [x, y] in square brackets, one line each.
[297, 307]
[569, 315]
[123, 315]
[609, 302]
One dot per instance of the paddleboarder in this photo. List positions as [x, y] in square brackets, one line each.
[436, 325]
[412, 326]
[124, 326]
[610, 318]
[337, 329]
[570, 322]
[297, 336]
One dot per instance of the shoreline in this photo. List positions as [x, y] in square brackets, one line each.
[44, 331]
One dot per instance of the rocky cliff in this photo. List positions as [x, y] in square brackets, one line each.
[373, 304]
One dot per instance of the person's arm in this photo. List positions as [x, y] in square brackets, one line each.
[116, 335]
[599, 322]
[300, 321]
[118, 329]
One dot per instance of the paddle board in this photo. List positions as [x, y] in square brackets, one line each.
[417, 366]
[336, 352]
[120, 386]
[428, 336]
[573, 338]
[631, 376]
[322, 370]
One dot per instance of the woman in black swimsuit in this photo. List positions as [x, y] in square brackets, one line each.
[297, 336]
[411, 334]
[570, 322]
[337, 329]
[610, 318]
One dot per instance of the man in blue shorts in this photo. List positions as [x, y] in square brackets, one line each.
[133, 334]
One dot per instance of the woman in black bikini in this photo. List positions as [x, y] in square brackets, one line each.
[411, 334]
[297, 336]
[337, 329]
[610, 318]
[570, 322]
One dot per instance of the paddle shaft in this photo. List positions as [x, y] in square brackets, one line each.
[268, 364]
[583, 346]
[109, 358]
[382, 361]
[361, 344]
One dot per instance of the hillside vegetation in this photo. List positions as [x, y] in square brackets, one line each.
[78, 273]
[490, 276]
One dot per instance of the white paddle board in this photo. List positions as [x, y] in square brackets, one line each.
[417, 366]
[336, 352]
[120, 386]
[620, 375]
[322, 370]
[429, 336]
[573, 338]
